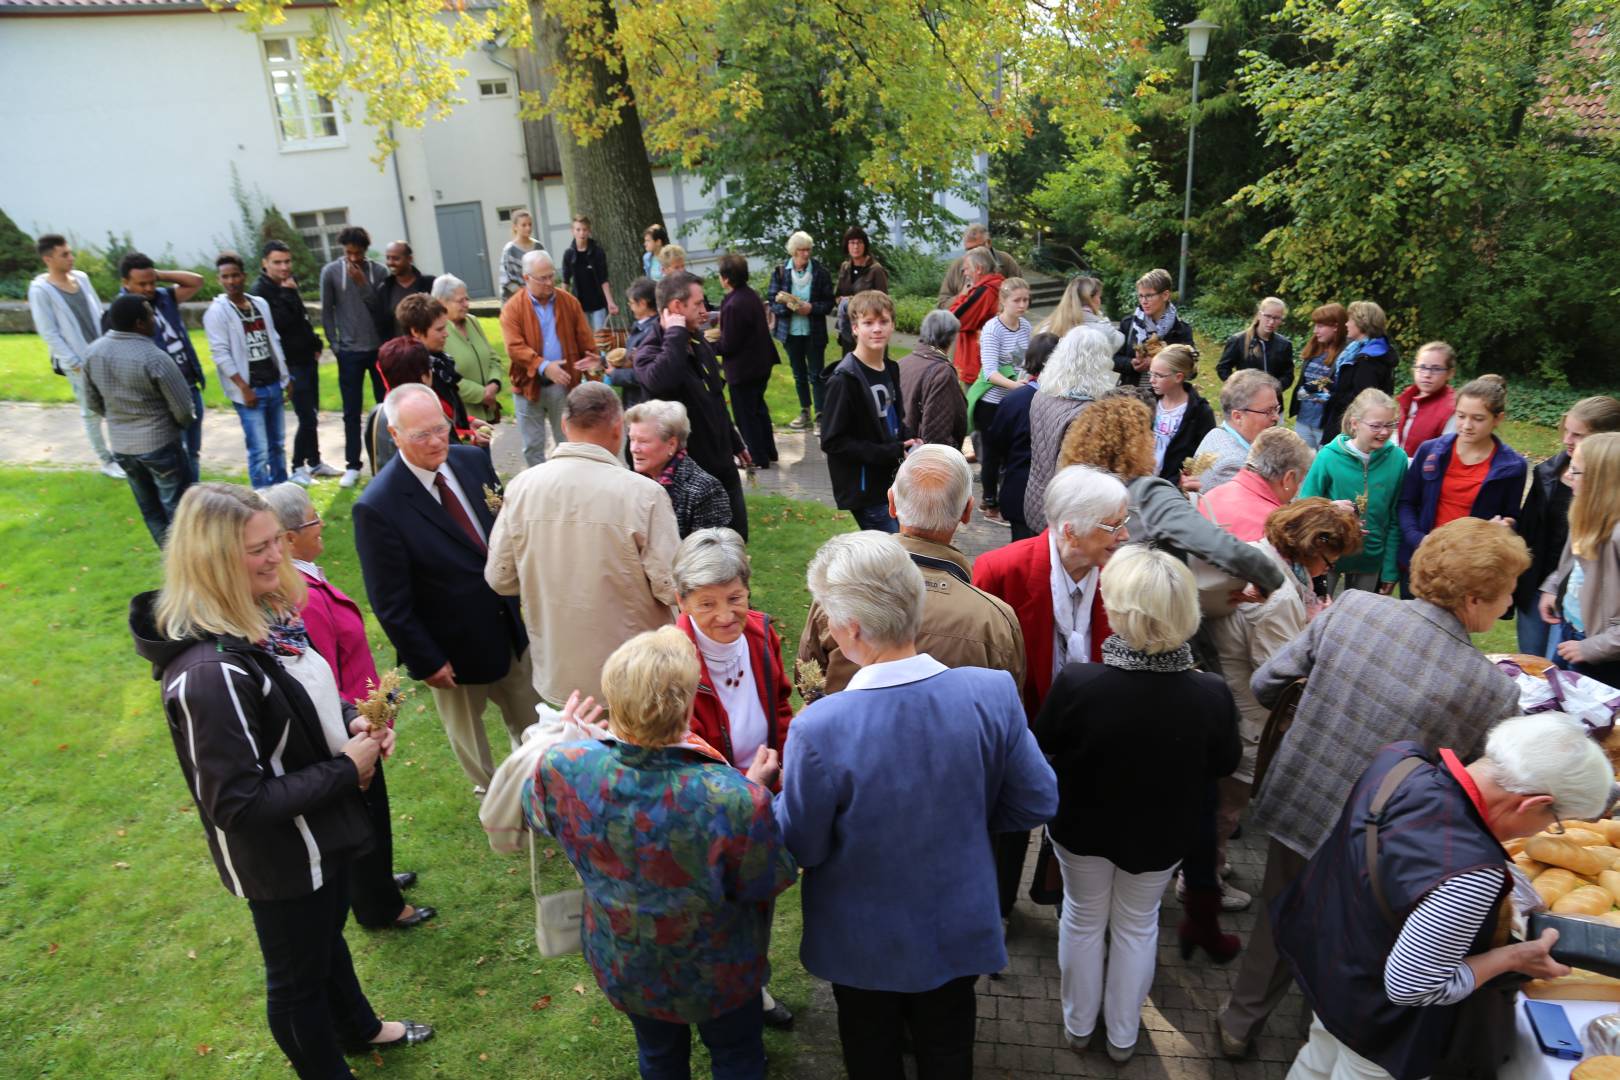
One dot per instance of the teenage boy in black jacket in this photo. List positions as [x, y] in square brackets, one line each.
[862, 432]
[303, 348]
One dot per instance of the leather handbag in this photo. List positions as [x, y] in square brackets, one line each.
[1277, 725]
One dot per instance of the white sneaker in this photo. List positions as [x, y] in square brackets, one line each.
[351, 477]
[301, 477]
[114, 470]
[322, 469]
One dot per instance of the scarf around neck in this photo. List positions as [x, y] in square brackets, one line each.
[287, 637]
[1143, 327]
[1116, 653]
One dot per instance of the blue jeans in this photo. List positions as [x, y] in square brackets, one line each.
[735, 1040]
[1536, 637]
[809, 371]
[1311, 434]
[1604, 671]
[191, 438]
[597, 318]
[158, 479]
[263, 428]
[876, 517]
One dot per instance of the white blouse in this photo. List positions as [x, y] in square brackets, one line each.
[731, 671]
[315, 676]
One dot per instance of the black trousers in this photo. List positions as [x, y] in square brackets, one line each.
[754, 420]
[872, 1024]
[989, 465]
[1010, 849]
[306, 394]
[352, 370]
[375, 895]
[313, 998]
[739, 506]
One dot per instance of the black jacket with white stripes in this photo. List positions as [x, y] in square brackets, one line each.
[280, 811]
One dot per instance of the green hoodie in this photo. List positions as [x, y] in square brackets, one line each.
[1340, 473]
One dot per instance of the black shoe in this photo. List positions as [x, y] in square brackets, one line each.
[414, 1033]
[406, 879]
[416, 918]
[779, 1016]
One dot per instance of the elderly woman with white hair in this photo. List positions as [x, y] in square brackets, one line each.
[1079, 371]
[469, 350]
[800, 298]
[1395, 957]
[1136, 741]
[1251, 402]
[934, 408]
[900, 910]
[657, 434]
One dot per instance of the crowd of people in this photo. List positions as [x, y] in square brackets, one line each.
[1175, 568]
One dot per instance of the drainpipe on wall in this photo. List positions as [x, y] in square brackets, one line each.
[490, 49]
[399, 188]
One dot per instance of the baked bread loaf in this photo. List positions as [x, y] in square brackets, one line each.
[1562, 851]
[1606, 1067]
[1551, 884]
[1585, 900]
[1578, 985]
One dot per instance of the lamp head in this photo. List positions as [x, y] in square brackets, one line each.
[1198, 32]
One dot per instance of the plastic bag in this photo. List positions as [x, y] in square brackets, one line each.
[1602, 1035]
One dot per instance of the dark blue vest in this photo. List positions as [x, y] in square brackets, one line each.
[1330, 929]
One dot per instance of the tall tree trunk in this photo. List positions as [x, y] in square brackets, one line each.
[609, 179]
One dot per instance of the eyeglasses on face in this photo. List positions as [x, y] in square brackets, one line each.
[1274, 412]
[427, 435]
[311, 523]
[1370, 426]
[1110, 529]
[1431, 369]
[1151, 295]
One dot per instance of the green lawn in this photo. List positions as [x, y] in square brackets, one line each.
[121, 955]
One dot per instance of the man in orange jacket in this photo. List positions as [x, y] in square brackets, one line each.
[549, 345]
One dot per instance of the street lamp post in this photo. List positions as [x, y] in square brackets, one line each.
[1198, 32]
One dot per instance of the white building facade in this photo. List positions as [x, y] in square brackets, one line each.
[127, 116]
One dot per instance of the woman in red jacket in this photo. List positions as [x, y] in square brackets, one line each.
[337, 631]
[1427, 409]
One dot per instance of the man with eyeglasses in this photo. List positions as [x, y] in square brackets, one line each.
[422, 532]
[1251, 402]
[549, 345]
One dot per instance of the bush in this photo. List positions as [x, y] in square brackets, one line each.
[913, 273]
[909, 311]
[17, 255]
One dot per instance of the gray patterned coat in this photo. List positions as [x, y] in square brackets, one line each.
[1378, 670]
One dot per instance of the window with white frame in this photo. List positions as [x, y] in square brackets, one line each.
[494, 88]
[304, 119]
[504, 214]
[320, 230]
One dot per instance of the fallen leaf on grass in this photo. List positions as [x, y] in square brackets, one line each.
[483, 1057]
[551, 853]
[377, 1059]
[191, 954]
[480, 961]
[121, 865]
[482, 992]
[53, 947]
[203, 1049]
[543, 1003]
[596, 1021]
[579, 988]
[123, 832]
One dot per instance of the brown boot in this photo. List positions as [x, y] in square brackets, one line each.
[1201, 928]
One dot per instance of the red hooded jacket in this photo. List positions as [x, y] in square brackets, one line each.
[976, 306]
[1434, 415]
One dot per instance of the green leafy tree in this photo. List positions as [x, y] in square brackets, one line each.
[1432, 166]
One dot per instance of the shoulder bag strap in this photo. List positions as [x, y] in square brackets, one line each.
[1392, 780]
[931, 563]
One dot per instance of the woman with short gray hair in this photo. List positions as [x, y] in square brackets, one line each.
[657, 432]
[469, 350]
[900, 909]
[929, 390]
[743, 705]
[798, 301]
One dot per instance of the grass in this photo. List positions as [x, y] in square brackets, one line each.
[120, 953]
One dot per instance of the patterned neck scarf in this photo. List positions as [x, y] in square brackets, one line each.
[667, 476]
[1143, 327]
[287, 637]
[1116, 653]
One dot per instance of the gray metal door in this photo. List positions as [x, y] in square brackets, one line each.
[461, 241]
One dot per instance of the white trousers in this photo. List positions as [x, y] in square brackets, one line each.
[91, 422]
[1325, 1058]
[1098, 896]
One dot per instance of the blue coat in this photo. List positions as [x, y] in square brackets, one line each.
[425, 577]
[887, 796]
[1498, 496]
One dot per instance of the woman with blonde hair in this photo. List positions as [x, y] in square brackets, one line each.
[1544, 518]
[1181, 417]
[1261, 346]
[274, 762]
[650, 795]
[799, 299]
[1368, 361]
[1584, 592]
[1316, 372]
[1097, 726]
[1080, 305]
[1365, 469]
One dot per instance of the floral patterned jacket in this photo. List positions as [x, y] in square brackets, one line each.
[680, 856]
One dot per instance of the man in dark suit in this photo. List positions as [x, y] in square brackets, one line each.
[422, 530]
[676, 363]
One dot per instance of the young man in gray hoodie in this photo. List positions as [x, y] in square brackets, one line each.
[351, 295]
[67, 314]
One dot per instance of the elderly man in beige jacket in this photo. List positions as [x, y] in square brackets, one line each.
[587, 545]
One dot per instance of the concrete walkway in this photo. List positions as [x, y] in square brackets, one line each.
[1020, 1026]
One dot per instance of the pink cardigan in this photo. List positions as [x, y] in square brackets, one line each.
[337, 630]
[1241, 505]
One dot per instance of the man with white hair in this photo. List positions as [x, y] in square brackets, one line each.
[962, 625]
[588, 545]
[1397, 956]
[422, 531]
[1271, 477]
[549, 344]
[976, 235]
[1051, 583]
